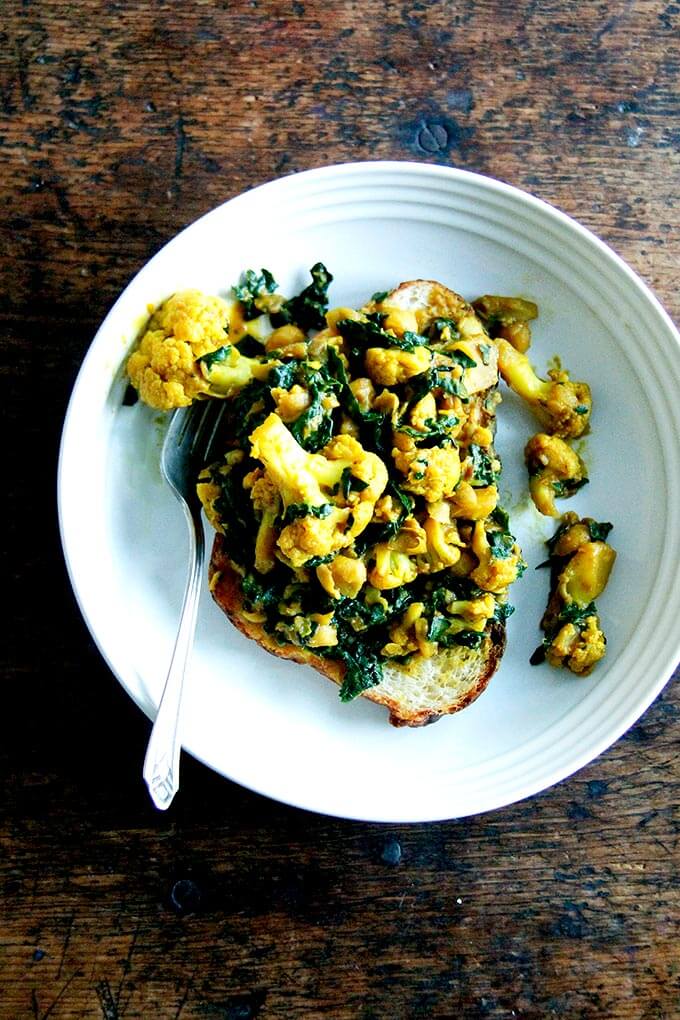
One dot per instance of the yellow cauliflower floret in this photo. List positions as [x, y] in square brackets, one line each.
[310, 536]
[432, 472]
[410, 634]
[313, 482]
[494, 573]
[343, 576]
[389, 366]
[443, 546]
[474, 504]
[561, 405]
[577, 649]
[164, 368]
[554, 470]
[392, 568]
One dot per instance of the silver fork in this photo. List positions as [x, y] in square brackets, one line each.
[186, 448]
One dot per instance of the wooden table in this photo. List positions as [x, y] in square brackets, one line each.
[121, 123]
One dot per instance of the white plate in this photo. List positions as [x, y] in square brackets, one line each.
[279, 728]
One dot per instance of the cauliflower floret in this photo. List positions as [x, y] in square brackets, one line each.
[586, 574]
[309, 537]
[291, 403]
[562, 406]
[554, 470]
[164, 368]
[577, 648]
[495, 573]
[343, 576]
[472, 503]
[333, 492]
[410, 634]
[507, 317]
[392, 568]
[443, 546]
[580, 572]
[389, 366]
[432, 472]
[227, 371]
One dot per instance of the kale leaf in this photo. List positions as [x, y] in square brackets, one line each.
[250, 287]
[308, 308]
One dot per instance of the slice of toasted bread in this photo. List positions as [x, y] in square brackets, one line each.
[416, 693]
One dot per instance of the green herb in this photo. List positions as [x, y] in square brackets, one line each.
[502, 611]
[376, 533]
[283, 376]
[581, 409]
[437, 431]
[251, 286]
[363, 670]
[442, 377]
[313, 429]
[379, 296]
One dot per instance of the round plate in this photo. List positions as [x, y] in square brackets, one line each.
[279, 728]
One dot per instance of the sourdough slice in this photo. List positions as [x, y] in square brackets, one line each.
[416, 693]
[422, 690]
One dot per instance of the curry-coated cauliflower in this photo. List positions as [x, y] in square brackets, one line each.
[432, 472]
[164, 368]
[330, 495]
[495, 573]
[389, 366]
[578, 648]
[554, 470]
[561, 404]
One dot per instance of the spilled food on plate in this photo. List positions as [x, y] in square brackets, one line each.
[355, 502]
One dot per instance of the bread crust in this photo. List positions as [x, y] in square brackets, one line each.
[226, 591]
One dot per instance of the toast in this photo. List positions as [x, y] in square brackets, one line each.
[416, 689]
[415, 694]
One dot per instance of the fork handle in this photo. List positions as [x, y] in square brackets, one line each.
[161, 762]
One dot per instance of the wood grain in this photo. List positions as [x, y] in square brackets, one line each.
[121, 123]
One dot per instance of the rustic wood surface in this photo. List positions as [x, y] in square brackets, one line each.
[121, 123]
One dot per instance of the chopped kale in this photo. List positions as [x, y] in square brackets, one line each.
[283, 375]
[363, 669]
[249, 347]
[308, 308]
[216, 357]
[250, 287]
[349, 483]
[296, 510]
[482, 466]
[379, 296]
[313, 429]
[599, 530]
[442, 330]
[568, 486]
[362, 335]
